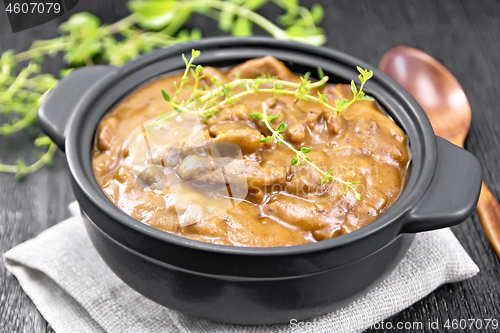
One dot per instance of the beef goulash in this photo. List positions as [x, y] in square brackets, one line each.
[165, 174]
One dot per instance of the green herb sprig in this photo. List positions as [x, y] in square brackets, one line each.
[207, 102]
[84, 41]
[302, 157]
[235, 16]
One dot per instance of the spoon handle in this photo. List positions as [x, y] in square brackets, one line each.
[488, 211]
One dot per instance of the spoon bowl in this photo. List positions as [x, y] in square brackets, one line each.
[435, 89]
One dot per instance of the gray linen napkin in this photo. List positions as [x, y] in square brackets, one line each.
[76, 292]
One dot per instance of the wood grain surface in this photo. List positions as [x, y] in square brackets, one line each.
[463, 35]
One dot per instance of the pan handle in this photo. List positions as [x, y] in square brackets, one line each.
[57, 108]
[453, 193]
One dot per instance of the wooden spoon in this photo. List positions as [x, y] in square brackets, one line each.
[445, 103]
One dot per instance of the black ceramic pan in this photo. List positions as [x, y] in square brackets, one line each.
[256, 285]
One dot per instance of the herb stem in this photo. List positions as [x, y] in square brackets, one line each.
[249, 91]
[59, 44]
[184, 77]
[19, 81]
[44, 159]
[5, 73]
[279, 137]
[306, 15]
[248, 82]
[42, 50]
[258, 19]
[209, 96]
[120, 25]
[28, 118]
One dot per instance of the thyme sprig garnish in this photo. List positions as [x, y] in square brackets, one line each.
[84, 41]
[207, 102]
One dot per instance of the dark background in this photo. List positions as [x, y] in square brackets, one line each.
[463, 35]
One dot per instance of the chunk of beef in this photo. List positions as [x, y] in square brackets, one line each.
[304, 179]
[210, 72]
[376, 142]
[235, 113]
[296, 211]
[246, 228]
[194, 167]
[262, 66]
[197, 144]
[296, 132]
[247, 139]
[276, 109]
[209, 171]
[337, 92]
[107, 133]
[335, 122]
[313, 117]
[166, 155]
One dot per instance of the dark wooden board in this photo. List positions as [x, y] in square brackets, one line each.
[464, 35]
